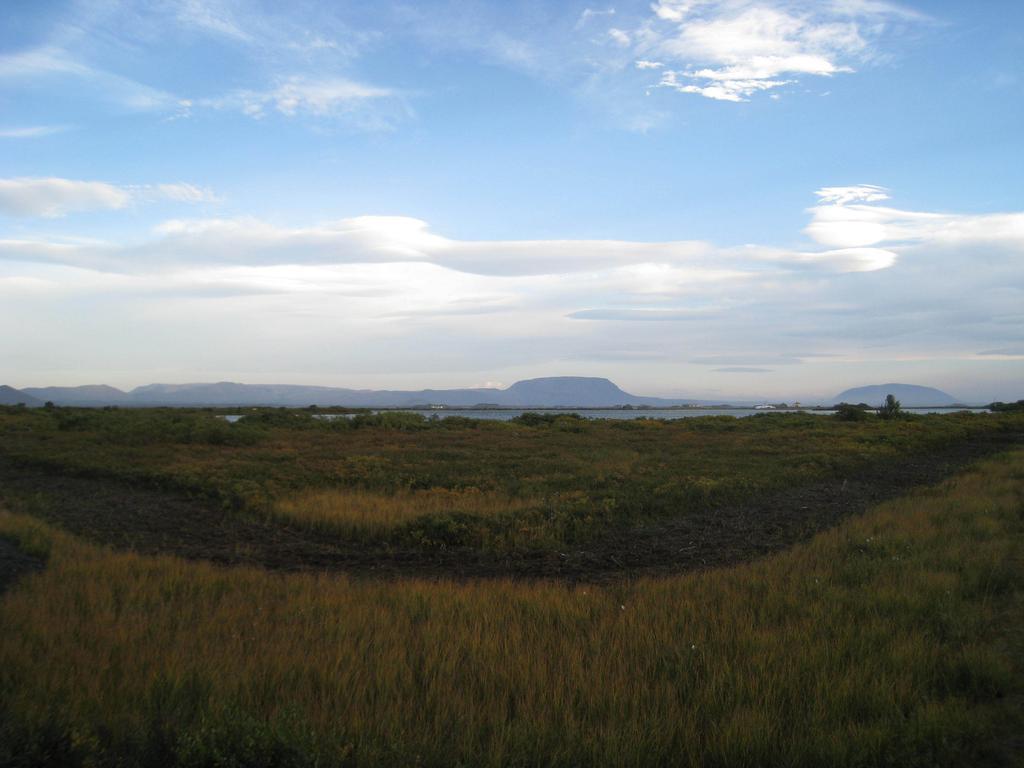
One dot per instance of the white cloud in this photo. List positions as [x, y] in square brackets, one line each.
[750, 359]
[867, 193]
[53, 61]
[620, 37]
[857, 238]
[730, 50]
[180, 193]
[380, 292]
[855, 226]
[47, 252]
[639, 315]
[591, 13]
[368, 106]
[291, 47]
[54, 197]
[288, 31]
[45, 60]
[212, 17]
[845, 259]
[644, 64]
[646, 267]
[726, 90]
[31, 132]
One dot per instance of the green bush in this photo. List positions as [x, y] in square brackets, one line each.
[1000, 407]
[890, 409]
[847, 412]
[400, 420]
[531, 419]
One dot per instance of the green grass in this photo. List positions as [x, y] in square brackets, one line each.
[542, 483]
[892, 640]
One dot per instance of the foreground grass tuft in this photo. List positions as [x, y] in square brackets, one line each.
[888, 641]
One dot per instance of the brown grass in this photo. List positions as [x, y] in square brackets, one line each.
[888, 641]
[358, 513]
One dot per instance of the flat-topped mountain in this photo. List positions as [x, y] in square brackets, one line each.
[12, 396]
[572, 391]
[909, 395]
[556, 391]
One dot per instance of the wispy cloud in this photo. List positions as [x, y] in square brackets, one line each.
[31, 132]
[284, 52]
[54, 197]
[859, 193]
[288, 31]
[639, 315]
[1004, 352]
[858, 237]
[386, 239]
[741, 363]
[54, 61]
[212, 17]
[592, 13]
[366, 106]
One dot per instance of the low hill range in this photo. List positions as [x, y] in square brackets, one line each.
[89, 395]
[12, 396]
[909, 395]
[550, 392]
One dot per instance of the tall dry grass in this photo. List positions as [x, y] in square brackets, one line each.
[359, 514]
[889, 641]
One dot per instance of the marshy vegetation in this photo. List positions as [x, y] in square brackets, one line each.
[892, 640]
[537, 483]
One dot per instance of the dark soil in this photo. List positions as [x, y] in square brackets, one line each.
[14, 563]
[152, 521]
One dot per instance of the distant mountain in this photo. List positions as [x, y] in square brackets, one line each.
[565, 391]
[226, 393]
[909, 395]
[87, 395]
[573, 391]
[12, 396]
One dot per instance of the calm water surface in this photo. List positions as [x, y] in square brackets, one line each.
[506, 414]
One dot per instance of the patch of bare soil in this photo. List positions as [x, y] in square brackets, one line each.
[152, 521]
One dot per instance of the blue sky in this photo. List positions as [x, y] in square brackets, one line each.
[727, 198]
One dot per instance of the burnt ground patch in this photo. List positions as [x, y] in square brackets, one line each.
[151, 521]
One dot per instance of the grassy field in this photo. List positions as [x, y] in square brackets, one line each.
[359, 514]
[538, 483]
[895, 639]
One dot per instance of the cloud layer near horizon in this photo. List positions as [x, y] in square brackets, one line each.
[860, 237]
[394, 285]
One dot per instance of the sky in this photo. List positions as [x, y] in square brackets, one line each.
[741, 199]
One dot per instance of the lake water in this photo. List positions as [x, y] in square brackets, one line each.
[506, 414]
